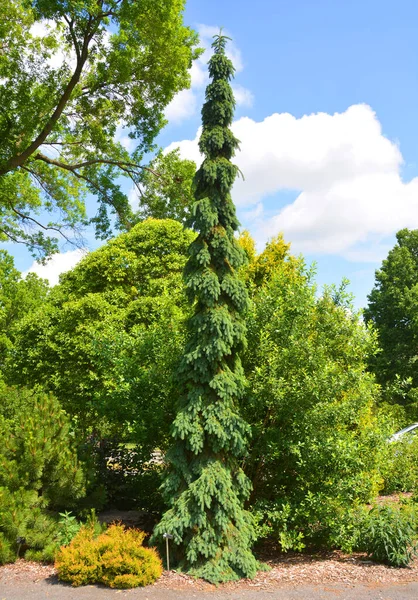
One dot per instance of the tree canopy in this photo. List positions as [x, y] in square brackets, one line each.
[316, 437]
[393, 309]
[106, 340]
[165, 188]
[109, 338]
[70, 74]
[18, 298]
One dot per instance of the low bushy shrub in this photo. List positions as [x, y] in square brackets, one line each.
[317, 521]
[115, 558]
[388, 534]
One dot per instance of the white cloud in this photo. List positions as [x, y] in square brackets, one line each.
[199, 74]
[133, 198]
[186, 103]
[42, 28]
[59, 263]
[243, 96]
[255, 213]
[182, 107]
[345, 172]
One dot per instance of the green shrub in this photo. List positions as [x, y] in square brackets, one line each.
[39, 470]
[68, 528]
[46, 555]
[400, 465]
[388, 534]
[316, 440]
[6, 553]
[318, 521]
[45, 534]
[115, 558]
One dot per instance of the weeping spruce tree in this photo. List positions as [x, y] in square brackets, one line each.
[206, 487]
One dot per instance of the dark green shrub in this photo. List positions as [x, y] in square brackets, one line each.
[39, 470]
[115, 558]
[388, 534]
[6, 553]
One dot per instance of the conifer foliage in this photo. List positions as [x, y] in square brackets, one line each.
[206, 486]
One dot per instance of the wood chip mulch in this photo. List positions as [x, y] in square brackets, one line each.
[24, 570]
[288, 569]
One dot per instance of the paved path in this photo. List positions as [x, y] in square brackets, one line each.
[51, 590]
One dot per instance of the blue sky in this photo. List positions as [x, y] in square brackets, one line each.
[328, 120]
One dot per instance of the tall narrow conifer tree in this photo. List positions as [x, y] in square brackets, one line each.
[206, 486]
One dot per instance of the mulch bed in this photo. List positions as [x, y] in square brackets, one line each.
[286, 569]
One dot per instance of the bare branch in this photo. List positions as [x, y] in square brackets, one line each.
[70, 23]
[89, 163]
[25, 217]
[17, 241]
[62, 143]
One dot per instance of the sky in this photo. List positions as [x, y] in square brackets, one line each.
[327, 116]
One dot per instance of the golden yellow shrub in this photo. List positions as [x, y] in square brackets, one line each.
[115, 558]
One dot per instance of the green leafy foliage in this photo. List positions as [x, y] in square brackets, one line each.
[107, 326]
[206, 486]
[393, 310]
[47, 532]
[115, 558]
[18, 298]
[106, 344]
[6, 553]
[400, 465]
[71, 74]
[317, 441]
[388, 534]
[166, 188]
[68, 528]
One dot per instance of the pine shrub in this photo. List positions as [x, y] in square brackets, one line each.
[39, 470]
[206, 486]
[115, 558]
[6, 554]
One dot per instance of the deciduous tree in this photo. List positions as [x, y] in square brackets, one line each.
[18, 298]
[70, 74]
[393, 309]
[312, 405]
[107, 340]
[165, 189]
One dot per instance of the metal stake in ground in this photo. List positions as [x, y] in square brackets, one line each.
[20, 541]
[167, 537]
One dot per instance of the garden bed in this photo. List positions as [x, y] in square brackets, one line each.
[286, 569]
